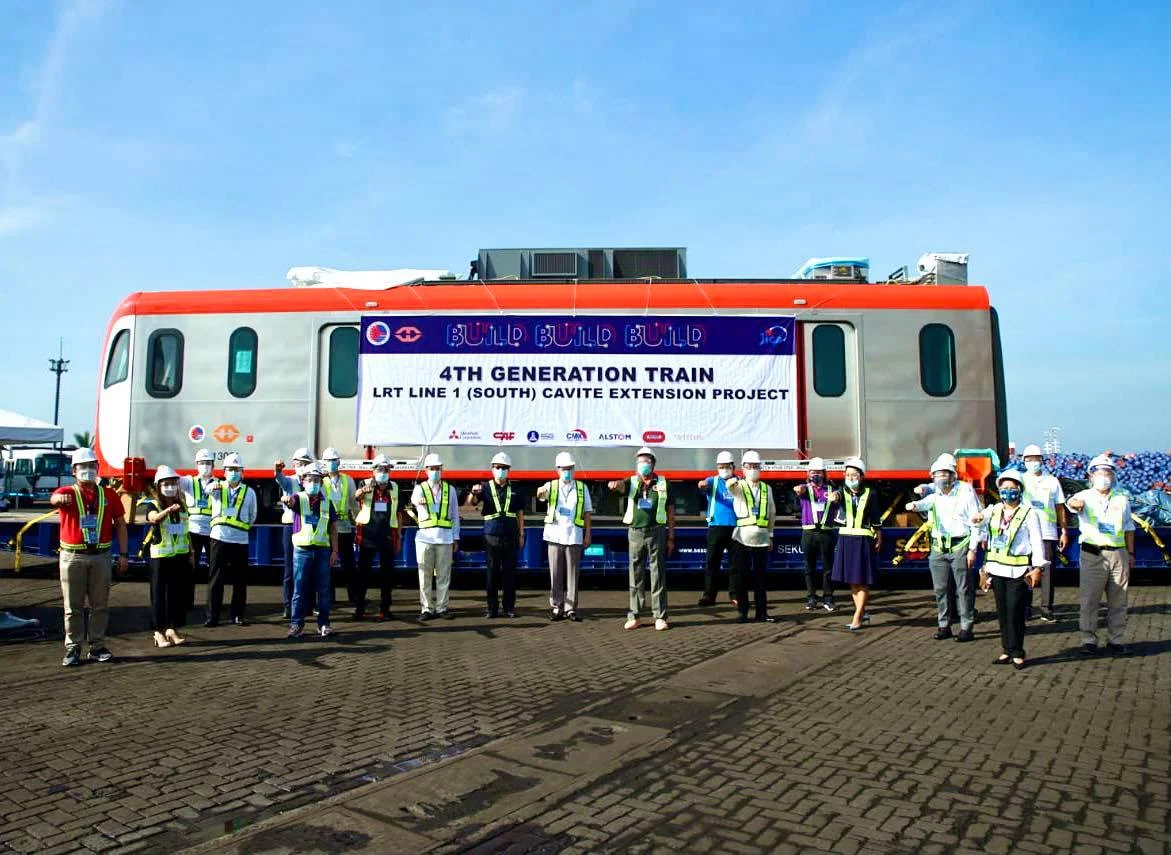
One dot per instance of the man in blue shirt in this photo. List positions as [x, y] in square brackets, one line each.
[721, 523]
[504, 534]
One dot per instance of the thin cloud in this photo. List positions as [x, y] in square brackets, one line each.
[491, 112]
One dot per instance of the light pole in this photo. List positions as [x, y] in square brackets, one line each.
[58, 366]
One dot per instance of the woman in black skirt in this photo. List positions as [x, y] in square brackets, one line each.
[859, 538]
[170, 556]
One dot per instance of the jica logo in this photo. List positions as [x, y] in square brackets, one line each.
[773, 336]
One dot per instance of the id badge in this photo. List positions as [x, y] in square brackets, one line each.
[202, 504]
[1038, 504]
[818, 507]
[435, 509]
[311, 521]
[564, 511]
[176, 528]
[1000, 543]
[645, 504]
[89, 529]
[380, 507]
[1107, 528]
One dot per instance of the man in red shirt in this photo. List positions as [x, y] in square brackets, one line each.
[89, 516]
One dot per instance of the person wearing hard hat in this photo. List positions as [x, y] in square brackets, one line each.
[817, 535]
[756, 514]
[169, 538]
[568, 521]
[955, 545]
[1106, 544]
[721, 523]
[233, 513]
[1013, 563]
[314, 550]
[1044, 495]
[436, 509]
[859, 538]
[378, 534]
[502, 507]
[89, 517]
[289, 485]
[197, 491]
[650, 521]
[339, 489]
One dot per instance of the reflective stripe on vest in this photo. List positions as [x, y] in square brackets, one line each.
[660, 488]
[197, 494]
[1115, 512]
[163, 544]
[824, 521]
[82, 511]
[759, 517]
[318, 533]
[940, 541]
[444, 520]
[364, 512]
[339, 497]
[501, 510]
[231, 516]
[554, 489]
[854, 516]
[1002, 556]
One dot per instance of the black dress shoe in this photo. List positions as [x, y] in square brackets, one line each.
[1117, 649]
[1020, 666]
[510, 614]
[239, 621]
[491, 615]
[705, 601]
[942, 634]
[1003, 660]
[966, 635]
[426, 616]
[573, 616]
[210, 622]
[447, 615]
[1088, 650]
[555, 616]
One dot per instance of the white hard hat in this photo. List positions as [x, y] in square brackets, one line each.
[165, 472]
[944, 463]
[313, 469]
[724, 457]
[750, 457]
[233, 461]
[1031, 451]
[302, 454]
[330, 454]
[816, 464]
[856, 463]
[83, 455]
[645, 451]
[432, 461]
[1102, 460]
[502, 459]
[204, 456]
[1011, 475]
[564, 460]
[380, 460]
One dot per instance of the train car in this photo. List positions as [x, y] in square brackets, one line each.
[892, 372]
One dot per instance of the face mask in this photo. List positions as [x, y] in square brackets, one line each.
[725, 472]
[169, 489]
[312, 488]
[334, 466]
[500, 475]
[87, 475]
[853, 483]
[816, 478]
[566, 474]
[752, 475]
[1034, 466]
[1011, 495]
[381, 477]
[434, 475]
[1102, 483]
[233, 476]
[643, 468]
[204, 469]
[942, 482]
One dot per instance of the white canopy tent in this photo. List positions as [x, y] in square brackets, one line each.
[16, 428]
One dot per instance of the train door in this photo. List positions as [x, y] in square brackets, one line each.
[337, 390]
[832, 416]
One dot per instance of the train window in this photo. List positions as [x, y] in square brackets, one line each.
[829, 361]
[242, 362]
[118, 368]
[164, 363]
[937, 360]
[343, 362]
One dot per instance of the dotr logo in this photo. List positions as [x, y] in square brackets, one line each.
[408, 334]
[226, 433]
[654, 436]
[504, 435]
[378, 333]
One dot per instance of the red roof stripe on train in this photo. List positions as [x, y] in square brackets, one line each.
[523, 296]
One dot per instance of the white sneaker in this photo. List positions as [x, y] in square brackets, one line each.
[633, 623]
[661, 624]
[326, 631]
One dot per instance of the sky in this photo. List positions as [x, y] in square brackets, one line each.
[169, 146]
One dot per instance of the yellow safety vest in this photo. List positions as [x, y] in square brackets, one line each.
[1042, 501]
[339, 497]
[1113, 537]
[1000, 553]
[164, 543]
[444, 519]
[554, 496]
[79, 503]
[366, 509]
[317, 533]
[198, 497]
[941, 542]
[660, 488]
[853, 527]
[231, 516]
[759, 516]
[501, 510]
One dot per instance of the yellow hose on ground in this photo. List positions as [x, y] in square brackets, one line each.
[919, 532]
[18, 540]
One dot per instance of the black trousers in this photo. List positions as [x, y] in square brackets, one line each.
[1012, 598]
[346, 563]
[200, 544]
[818, 545]
[169, 580]
[500, 560]
[719, 541]
[229, 563]
[359, 583]
[751, 563]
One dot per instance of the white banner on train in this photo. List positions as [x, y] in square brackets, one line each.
[672, 380]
